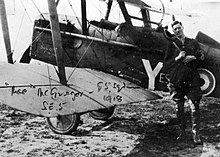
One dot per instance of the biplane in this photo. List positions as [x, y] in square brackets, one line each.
[93, 65]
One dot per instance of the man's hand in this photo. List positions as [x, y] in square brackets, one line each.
[182, 54]
[189, 58]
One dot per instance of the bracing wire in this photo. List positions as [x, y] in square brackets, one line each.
[22, 19]
[101, 14]
[38, 10]
[79, 60]
[86, 48]
[83, 53]
[49, 77]
[71, 6]
[25, 9]
[15, 42]
[48, 25]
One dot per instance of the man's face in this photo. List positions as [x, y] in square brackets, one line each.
[178, 30]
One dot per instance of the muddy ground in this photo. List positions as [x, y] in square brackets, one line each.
[137, 130]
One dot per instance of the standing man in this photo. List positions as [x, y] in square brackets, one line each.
[181, 60]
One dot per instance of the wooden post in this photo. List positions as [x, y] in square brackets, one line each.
[57, 41]
[5, 31]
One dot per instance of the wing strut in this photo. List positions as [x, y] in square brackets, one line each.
[5, 31]
[84, 22]
[57, 41]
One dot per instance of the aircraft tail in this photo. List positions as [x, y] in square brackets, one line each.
[207, 40]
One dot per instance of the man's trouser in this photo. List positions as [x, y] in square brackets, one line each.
[195, 115]
[193, 92]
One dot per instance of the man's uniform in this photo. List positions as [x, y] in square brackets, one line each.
[185, 80]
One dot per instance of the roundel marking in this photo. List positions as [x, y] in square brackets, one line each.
[209, 81]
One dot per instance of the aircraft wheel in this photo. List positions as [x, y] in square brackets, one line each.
[64, 124]
[102, 114]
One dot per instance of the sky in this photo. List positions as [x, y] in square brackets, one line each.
[21, 15]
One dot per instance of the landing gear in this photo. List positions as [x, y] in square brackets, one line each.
[102, 114]
[64, 124]
[67, 124]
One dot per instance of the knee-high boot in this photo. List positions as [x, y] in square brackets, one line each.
[182, 120]
[195, 118]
